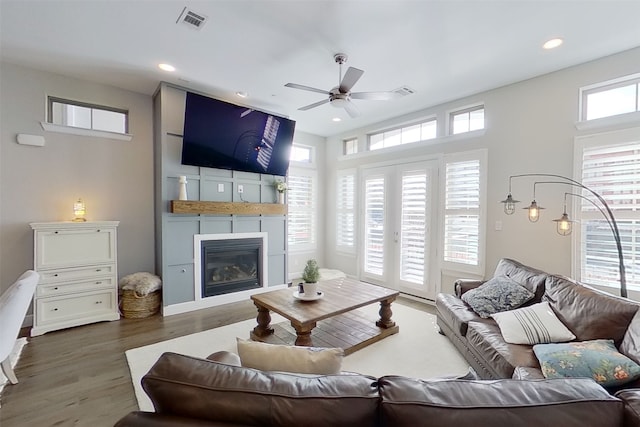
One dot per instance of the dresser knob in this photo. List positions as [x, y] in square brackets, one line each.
[99, 283]
[55, 309]
[55, 289]
[98, 269]
[184, 270]
[98, 302]
[55, 275]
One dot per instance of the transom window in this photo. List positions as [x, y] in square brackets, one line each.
[87, 116]
[466, 120]
[350, 146]
[403, 135]
[300, 153]
[611, 98]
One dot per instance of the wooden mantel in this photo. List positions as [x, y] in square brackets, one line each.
[226, 208]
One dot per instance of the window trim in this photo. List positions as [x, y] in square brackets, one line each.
[449, 266]
[48, 124]
[462, 110]
[603, 139]
[313, 174]
[350, 250]
[344, 146]
[400, 126]
[585, 91]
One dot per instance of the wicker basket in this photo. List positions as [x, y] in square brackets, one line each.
[135, 306]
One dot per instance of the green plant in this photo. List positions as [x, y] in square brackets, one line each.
[311, 273]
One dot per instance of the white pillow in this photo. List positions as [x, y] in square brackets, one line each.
[535, 324]
[302, 360]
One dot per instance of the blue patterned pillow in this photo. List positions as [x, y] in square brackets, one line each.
[498, 294]
[597, 359]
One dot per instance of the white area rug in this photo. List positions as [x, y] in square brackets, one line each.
[416, 351]
[14, 356]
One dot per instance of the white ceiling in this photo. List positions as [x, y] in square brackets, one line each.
[444, 50]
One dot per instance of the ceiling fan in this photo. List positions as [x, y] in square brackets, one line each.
[341, 95]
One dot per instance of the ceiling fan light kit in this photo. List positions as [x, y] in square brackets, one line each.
[341, 95]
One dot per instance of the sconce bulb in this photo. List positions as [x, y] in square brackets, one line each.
[563, 225]
[534, 211]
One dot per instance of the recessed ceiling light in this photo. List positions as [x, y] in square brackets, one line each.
[553, 43]
[242, 94]
[337, 119]
[167, 67]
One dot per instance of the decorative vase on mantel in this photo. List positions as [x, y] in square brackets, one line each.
[280, 197]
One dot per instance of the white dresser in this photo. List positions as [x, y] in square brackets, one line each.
[77, 262]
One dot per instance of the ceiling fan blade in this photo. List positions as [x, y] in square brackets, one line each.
[309, 88]
[376, 96]
[350, 78]
[314, 105]
[351, 109]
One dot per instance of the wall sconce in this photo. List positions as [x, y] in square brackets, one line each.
[79, 211]
[563, 224]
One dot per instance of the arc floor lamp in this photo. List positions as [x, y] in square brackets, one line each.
[564, 224]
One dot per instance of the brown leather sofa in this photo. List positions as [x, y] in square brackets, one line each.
[587, 312]
[188, 391]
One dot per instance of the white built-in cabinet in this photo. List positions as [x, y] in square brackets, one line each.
[77, 263]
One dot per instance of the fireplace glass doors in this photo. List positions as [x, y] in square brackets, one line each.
[230, 265]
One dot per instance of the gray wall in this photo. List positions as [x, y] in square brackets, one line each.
[115, 178]
[530, 127]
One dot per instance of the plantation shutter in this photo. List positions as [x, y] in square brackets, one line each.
[374, 226]
[301, 210]
[413, 224]
[614, 173]
[345, 211]
[462, 212]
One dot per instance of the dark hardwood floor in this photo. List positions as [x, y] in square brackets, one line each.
[80, 377]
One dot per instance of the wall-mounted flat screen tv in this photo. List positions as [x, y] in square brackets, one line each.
[221, 135]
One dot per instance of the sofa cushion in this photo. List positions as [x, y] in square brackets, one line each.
[598, 359]
[285, 358]
[497, 294]
[630, 345]
[486, 340]
[589, 313]
[198, 388]
[534, 324]
[567, 403]
[456, 313]
[529, 277]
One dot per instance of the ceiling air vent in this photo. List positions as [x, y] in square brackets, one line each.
[404, 91]
[192, 19]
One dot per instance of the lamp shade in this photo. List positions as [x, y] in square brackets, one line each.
[534, 211]
[509, 204]
[563, 225]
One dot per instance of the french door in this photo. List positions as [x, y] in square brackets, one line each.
[399, 227]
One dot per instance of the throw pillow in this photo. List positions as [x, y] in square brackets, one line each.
[597, 359]
[284, 358]
[498, 294]
[535, 324]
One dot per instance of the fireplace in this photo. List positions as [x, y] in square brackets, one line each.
[229, 263]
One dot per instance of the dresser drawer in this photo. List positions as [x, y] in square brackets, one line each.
[66, 274]
[53, 289]
[57, 309]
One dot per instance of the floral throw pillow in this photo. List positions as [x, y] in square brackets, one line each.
[498, 294]
[597, 359]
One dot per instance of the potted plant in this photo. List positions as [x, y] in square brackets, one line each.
[311, 273]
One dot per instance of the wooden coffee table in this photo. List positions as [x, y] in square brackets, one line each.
[331, 321]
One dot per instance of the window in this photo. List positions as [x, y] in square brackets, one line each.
[87, 116]
[300, 153]
[611, 98]
[302, 209]
[613, 171]
[467, 120]
[403, 135]
[350, 146]
[345, 211]
[462, 231]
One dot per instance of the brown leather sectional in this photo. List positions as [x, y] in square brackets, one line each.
[587, 312]
[188, 391]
